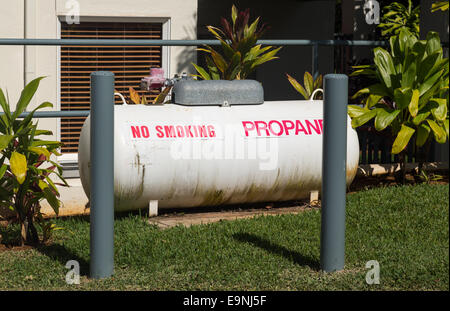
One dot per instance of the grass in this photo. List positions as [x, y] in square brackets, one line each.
[404, 228]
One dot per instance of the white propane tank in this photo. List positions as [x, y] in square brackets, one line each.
[186, 156]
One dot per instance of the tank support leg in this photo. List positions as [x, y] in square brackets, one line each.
[314, 197]
[153, 208]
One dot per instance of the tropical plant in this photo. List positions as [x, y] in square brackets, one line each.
[427, 178]
[240, 55]
[136, 99]
[397, 17]
[439, 5]
[310, 85]
[26, 167]
[411, 95]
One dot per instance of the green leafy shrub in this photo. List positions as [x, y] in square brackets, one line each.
[439, 5]
[26, 167]
[411, 95]
[240, 55]
[310, 85]
[398, 17]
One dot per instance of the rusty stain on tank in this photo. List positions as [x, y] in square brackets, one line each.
[213, 197]
[123, 194]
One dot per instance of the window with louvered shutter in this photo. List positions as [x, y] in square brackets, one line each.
[128, 63]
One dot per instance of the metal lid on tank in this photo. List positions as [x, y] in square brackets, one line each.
[218, 92]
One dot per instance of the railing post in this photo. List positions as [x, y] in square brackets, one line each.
[102, 175]
[315, 61]
[332, 238]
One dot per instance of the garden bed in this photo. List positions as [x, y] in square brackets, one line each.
[388, 180]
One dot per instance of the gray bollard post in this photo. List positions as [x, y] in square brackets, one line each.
[332, 238]
[102, 175]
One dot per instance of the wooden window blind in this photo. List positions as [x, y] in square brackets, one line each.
[128, 63]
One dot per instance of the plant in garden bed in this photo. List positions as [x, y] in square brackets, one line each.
[411, 96]
[136, 99]
[398, 17]
[310, 85]
[439, 5]
[240, 55]
[26, 167]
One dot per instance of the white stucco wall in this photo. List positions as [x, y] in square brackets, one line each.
[11, 57]
[180, 23]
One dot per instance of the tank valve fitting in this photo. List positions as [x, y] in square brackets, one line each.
[156, 79]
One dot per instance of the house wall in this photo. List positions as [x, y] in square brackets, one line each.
[42, 20]
[355, 27]
[436, 21]
[11, 57]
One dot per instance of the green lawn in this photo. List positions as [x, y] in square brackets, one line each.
[404, 228]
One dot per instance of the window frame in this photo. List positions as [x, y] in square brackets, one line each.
[69, 158]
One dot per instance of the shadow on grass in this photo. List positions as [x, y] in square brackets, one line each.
[294, 256]
[63, 255]
[117, 216]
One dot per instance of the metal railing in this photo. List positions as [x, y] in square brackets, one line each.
[369, 146]
[314, 44]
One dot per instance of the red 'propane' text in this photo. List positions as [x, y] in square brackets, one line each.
[283, 127]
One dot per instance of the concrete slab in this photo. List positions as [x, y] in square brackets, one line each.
[189, 219]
